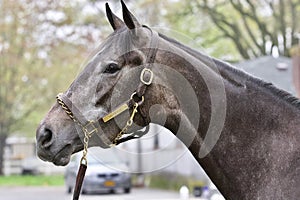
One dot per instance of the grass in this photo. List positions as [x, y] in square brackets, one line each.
[164, 181]
[40, 180]
[172, 182]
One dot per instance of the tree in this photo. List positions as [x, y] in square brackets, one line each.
[255, 28]
[42, 45]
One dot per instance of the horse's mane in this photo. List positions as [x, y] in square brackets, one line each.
[227, 71]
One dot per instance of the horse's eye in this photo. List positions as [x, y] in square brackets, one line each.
[111, 68]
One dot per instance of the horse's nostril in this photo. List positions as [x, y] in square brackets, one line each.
[46, 138]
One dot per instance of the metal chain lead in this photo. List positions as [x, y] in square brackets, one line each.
[87, 134]
[128, 124]
[85, 148]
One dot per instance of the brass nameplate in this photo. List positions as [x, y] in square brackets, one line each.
[116, 112]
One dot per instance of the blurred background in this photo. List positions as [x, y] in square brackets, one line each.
[44, 43]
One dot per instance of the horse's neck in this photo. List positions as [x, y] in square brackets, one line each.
[260, 142]
[257, 154]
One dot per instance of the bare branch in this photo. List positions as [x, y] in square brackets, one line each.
[239, 7]
[282, 25]
[221, 21]
[293, 7]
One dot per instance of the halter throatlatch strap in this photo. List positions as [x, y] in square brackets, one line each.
[135, 135]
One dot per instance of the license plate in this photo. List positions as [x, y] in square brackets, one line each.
[109, 183]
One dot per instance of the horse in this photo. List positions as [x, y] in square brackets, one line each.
[244, 132]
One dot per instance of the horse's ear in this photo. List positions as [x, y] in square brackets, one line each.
[114, 21]
[129, 19]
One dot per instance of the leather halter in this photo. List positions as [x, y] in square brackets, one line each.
[146, 78]
[89, 127]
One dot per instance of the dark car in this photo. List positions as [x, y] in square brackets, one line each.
[106, 172]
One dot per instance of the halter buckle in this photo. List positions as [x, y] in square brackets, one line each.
[90, 128]
[142, 77]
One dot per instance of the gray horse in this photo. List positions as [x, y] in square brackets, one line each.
[244, 132]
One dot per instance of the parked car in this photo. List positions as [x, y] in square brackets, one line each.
[106, 172]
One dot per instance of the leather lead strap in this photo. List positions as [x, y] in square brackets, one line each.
[79, 181]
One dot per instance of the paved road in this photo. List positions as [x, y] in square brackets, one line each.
[59, 193]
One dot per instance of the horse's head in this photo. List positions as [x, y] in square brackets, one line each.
[110, 79]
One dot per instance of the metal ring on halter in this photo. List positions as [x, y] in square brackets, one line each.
[146, 82]
[140, 102]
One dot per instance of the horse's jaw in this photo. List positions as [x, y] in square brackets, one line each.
[61, 158]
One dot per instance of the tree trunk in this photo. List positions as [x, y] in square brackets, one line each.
[2, 145]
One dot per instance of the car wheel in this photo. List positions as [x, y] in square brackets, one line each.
[127, 190]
